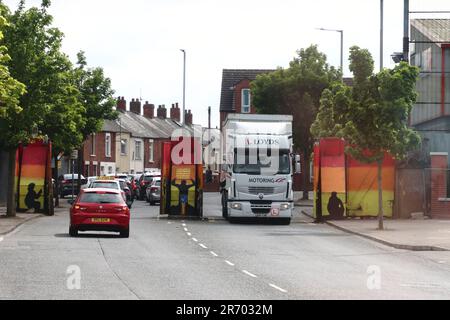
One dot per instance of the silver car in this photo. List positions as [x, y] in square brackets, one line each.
[153, 191]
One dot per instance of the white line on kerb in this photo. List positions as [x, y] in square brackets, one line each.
[203, 246]
[229, 263]
[214, 254]
[195, 240]
[249, 274]
[278, 288]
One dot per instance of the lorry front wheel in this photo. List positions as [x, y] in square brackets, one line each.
[224, 205]
[285, 221]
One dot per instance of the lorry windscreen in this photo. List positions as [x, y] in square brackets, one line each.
[246, 164]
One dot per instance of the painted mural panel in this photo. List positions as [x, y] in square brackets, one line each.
[363, 187]
[32, 177]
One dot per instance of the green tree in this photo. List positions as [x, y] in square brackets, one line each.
[372, 116]
[50, 106]
[10, 92]
[96, 96]
[296, 91]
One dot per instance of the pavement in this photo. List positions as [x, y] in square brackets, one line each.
[8, 225]
[414, 235]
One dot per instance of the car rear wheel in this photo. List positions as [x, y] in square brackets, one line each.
[125, 233]
[73, 232]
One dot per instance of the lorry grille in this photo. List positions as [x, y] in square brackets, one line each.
[259, 190]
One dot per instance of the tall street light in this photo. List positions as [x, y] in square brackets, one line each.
[342, 45]
[184, 86]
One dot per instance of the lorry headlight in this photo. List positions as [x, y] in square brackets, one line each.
[285, 206]
[236, 206]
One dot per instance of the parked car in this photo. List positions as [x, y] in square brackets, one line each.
[66, 185]
[154, 191]
[100, 210]
[88, 182]
[125, 188]
[132, 183]
[144, 181]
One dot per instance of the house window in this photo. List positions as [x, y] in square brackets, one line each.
[110, 170]
[246, 101]
[123, 147]
[93, 144]
[138, 150]
[102, 170]
[151, 149]
[108, 145]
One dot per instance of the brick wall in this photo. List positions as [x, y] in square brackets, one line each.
[99, 155]
[244, 84]
[440, 204]
[157, 150]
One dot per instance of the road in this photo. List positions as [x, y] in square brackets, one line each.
[171, 259]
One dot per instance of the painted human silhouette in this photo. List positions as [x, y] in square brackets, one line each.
[335, 207]
[31, 197]
[183, 188]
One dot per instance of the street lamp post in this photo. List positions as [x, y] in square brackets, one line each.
[184, 85]
[342, 45]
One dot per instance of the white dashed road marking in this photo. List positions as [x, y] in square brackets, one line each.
[249, 274]
[195, 240]
[278, 288]
[1, 239]
[214, 254]
[229, 263]
[189, 234]
[203, 246]
[184, 224]
[185, 229]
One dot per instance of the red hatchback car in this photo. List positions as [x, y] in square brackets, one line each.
[100, 210]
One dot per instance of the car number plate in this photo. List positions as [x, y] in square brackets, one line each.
[100, 220]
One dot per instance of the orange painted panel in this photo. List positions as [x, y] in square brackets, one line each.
[366, 178]
[333, 179]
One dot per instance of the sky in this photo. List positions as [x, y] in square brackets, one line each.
[138, 42]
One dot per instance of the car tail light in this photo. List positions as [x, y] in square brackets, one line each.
[120, 209]
[153, 189]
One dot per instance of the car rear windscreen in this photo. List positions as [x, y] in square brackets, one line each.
[148, 179]
[104, 198]
[106, 185]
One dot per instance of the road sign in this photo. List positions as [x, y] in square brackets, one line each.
[74, 155]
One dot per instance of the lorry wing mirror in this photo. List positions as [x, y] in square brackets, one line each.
[298, 165]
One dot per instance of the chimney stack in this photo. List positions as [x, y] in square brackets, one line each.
[162, 112]
[135, 106]
[121, 104]
[149, 110]
[188, 118]
[175, 113]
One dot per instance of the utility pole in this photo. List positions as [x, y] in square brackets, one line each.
[381, 35]
[406, 31]
[184, 86]
[209, 136]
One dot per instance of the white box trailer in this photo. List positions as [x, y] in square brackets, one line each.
[258, 167]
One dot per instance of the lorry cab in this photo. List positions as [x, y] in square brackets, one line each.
[257, 175]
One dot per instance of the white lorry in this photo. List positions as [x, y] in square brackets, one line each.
[258, 167]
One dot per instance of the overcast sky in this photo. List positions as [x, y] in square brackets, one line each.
[138, 42]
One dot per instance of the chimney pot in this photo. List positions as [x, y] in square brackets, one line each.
[121, 104]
